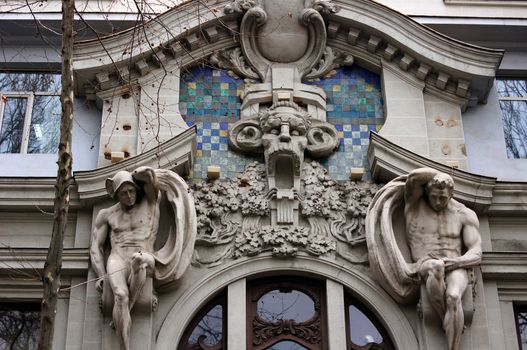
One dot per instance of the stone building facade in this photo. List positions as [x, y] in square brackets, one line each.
[285, 119]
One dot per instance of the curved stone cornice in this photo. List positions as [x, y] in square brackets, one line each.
[388, 160]
[37, 194]
[484, 194]
[175, 154]
[175, 35]
[191, 32]
[440, 61]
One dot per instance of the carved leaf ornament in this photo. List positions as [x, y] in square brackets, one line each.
[231, 212]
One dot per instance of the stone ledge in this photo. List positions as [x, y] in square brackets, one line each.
[176, 154]
[18, 193]
[22, 193]
[509, 198]
[25, 263]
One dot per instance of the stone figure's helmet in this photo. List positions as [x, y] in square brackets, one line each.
[120, 178]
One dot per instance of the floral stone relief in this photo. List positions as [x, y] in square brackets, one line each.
[234, 217]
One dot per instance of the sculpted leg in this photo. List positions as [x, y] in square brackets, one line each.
[453, 322]
[117, 272]
[142, 267]
[433, 273]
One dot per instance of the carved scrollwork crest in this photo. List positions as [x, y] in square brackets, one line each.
[307, 331]
[263, 44]
[233, 61]
[240, 6]
[330, 60]
[246, 136]
[325, 7]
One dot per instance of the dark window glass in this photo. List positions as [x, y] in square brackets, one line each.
[514, 115]
[521, 325]
[512, 88]
[12, 131]
[30, 82]
[363, 329]
[44, 132]
[513, 103]
[287, 345]
[37, 131]
[207, 331]
[290, 305]
[19, 327]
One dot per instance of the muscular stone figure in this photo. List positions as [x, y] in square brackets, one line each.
[131, 225]
[444, 240]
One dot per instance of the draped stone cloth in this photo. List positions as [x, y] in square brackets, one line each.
[398, 277]
[173, 258]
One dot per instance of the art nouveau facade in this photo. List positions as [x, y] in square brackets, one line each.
[285, 118]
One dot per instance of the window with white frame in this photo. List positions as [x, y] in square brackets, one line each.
[513, 103]
[29, 112]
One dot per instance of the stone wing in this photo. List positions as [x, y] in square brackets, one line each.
[387, 261]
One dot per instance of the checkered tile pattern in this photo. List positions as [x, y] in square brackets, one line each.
[213, 149]
[355, 107]
[209, 98]
[210, 95]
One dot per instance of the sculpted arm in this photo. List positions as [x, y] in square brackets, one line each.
[99, 236]
[147, 177]
[414, 189]
[472, 243]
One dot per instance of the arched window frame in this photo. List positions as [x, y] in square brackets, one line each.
[233, 277]
[349, 300]
[220, 299]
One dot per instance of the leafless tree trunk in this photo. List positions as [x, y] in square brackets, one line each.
[52, 267]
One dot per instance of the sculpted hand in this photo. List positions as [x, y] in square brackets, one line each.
[99, 284]
[451, 264]
[143, 173]
[413, 270]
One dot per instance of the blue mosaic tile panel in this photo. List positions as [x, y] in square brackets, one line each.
[355, 107]
[209, 98]
[209, 95]
[213, 149]
[352, 152]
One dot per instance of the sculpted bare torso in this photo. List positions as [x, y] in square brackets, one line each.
[433, 234]
[133, 230]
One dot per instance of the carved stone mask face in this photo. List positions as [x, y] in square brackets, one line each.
[438, 198]
[127, 194]
[283, 132]
[284, 136]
